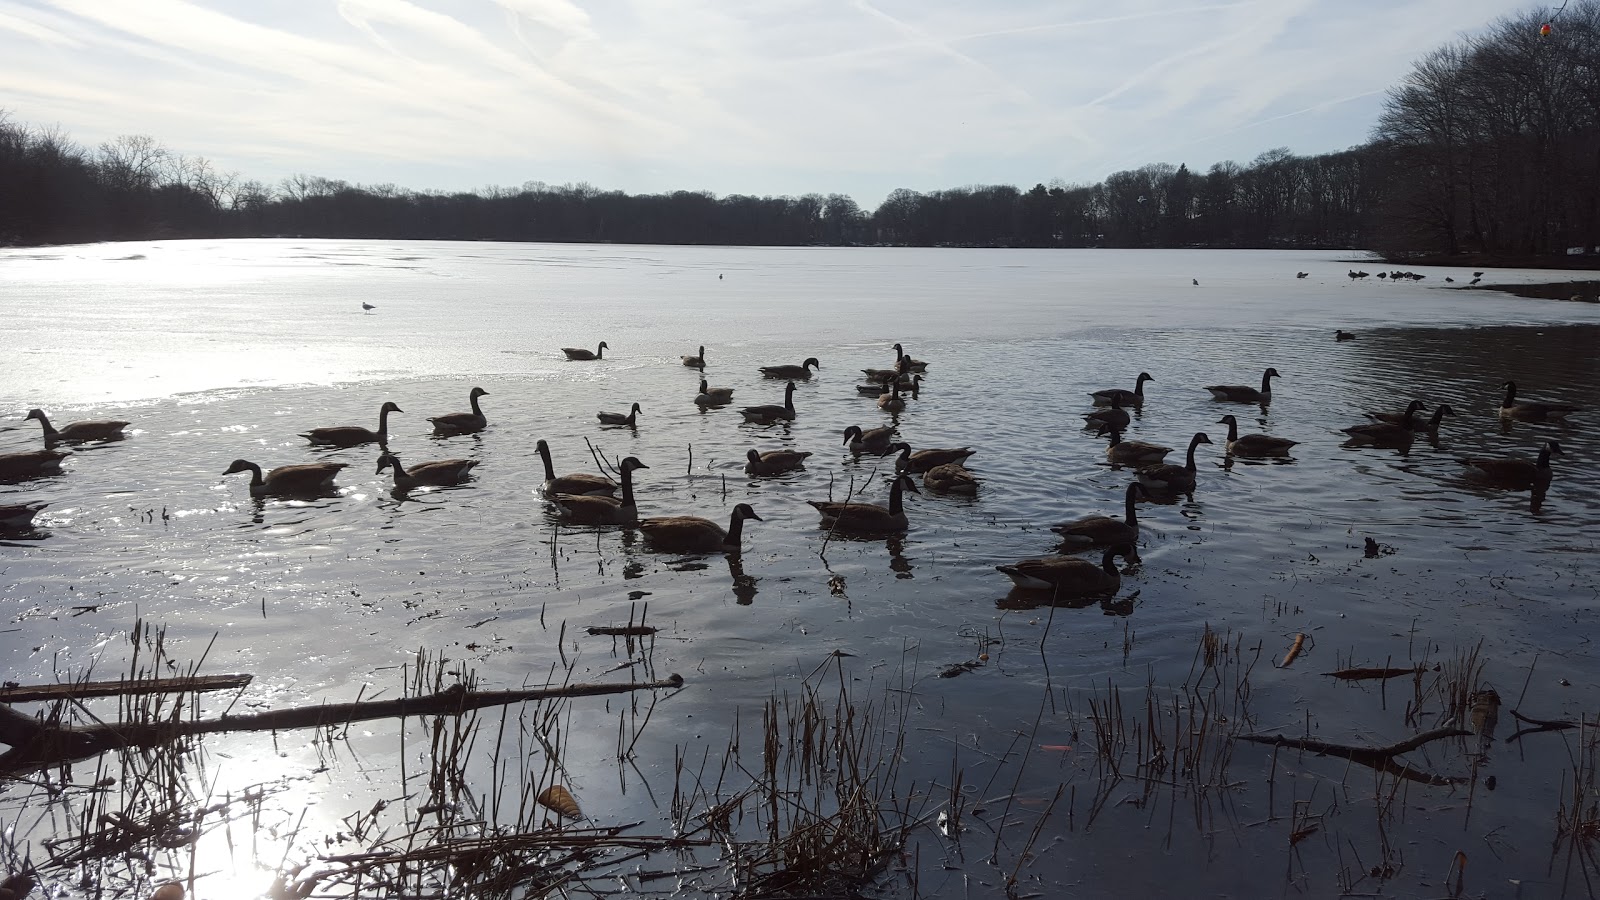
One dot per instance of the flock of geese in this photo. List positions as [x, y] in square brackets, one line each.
[591, 499]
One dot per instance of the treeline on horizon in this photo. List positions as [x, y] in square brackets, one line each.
[1490, 146]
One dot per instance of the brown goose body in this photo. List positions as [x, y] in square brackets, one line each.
[1402, 417]
[1238, 393]
[767, 415]
[875, 441]
[1253, 444]
[892, 401]
[302, 479]
[1103, 531]
[713, 396]
[463, 422]
[904, 362]
[1171, 478]
[440, 472]
[354, 435]
[1515, 473]
[774, 462]
[595, 509]
[925, 459]
[1114, 418]
[1069, 576]
[869, 518]
[1342, 335]
[613, 418]
[692, 534]
[1134, 453]
[19, 516]
[951, 478]
[103, 430]
[578, 354]
[1384, 434]
[30, 464]
[697, 361]
[579, 484]
[1534, 410]
[1124, 396]
[801, 372]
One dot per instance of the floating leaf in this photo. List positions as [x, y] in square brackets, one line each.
[1294, 651]
[1359, 674]
[560, 799]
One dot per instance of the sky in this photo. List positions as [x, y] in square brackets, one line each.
[739, 96]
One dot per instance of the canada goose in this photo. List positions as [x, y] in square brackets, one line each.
[869, 518]
[31, 464]
[950, 478]
[1301, 274]
[1069, 576]
[463, 423]
[19, 516]
[710, 396]
[1400, 418]
[579, 484]
[1241, 394]
[923, 460]
[439, 472]
[767, 415]
[107, 430]
[580, 354]
[877, 389]
[876, 441]
[1432, 425]
[1533, 410]
[1253, 444]
[1115, 418]
[1475, 280]
[697, 361]
[900, 370]
[1168, 477]
[1127, 397]
[1477, 274]
[802, 371]
[353, 435]
[1104, 531]
[1134, 453]
[1385, 434]
[610, 418]
[1449, 280]
[892, 401]
[774, 462]
[367, 307]
[1514, 473]
[306, 478]
[692, 534]
[1340, 334]
[594, 509]
[904, 362]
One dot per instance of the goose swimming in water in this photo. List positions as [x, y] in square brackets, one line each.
[1253, 444]
[1515, 473]
[1127, 398]
[768, 415]
[579, 354]
[1533, 410]
[774, 462]
[463, 422]
[354, 435]
[1238, 393]
[801, 372]
[30, 464]
[571, 484]
[713, 396]
[439, 473]
[1104, 531]
[876, 441]
[1069, 576]
[869, 518]
[1171, 478]
[305, 479]
[595, 509]
[613, 418]
[692, 534]
[697, 361]
[104, 430]
[927, 458]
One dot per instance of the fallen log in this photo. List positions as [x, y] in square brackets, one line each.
[1381, 758]
[121, 687]
[36, 744]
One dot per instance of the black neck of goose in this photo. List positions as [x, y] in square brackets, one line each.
[255, 475]
[475, 410]
[896, 498]
[383, 425]
[1544, 457]
[788, 399]
[735, 530]
[1138, 388]
[1116, 438]
[1411, 418]
[1266, 383]
[1233, 431]
[544, 454]
[627, 487]
[1511, 395]
[1109, 561]
[1129, 516]
[704, 386]
[49, 430]
[898, 353]
[1435, 419]
[1190, 463]
[599, 353]
[399, 472]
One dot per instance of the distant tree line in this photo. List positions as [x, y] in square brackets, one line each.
[1491, 145]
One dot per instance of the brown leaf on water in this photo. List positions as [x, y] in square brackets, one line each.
[1294, 650]
[1357, 674]
[559, 799]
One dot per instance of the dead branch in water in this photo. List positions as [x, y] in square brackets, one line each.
[35, 744]
[121, 687]
[1360, 674]
[1537, 725]
[1381, 758]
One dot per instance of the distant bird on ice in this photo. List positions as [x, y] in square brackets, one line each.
[368, 307]
[1196, 281]
[1301, 274]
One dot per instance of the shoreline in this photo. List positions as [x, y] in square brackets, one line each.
[1569, 291]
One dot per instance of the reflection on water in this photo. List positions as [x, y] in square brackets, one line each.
[316, 596]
